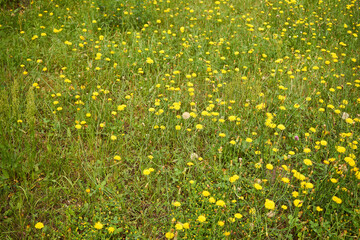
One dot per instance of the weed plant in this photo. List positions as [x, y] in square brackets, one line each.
[165, 119]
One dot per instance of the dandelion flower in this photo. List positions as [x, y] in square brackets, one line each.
[179, 226]
[205, 193]
[199, 126]
[176, 204]
[298, 203]
[220, 203]
[39, 225]
[285, 180]
[257, 186]
[340, 149]
[186, 225]
[307, 162]
[149, 60]
[281, 127]
[307, 150]
[169, 235]
[336, 199]
[319, 209]
[269, 166]
[201, 218]
[232, 118]
[269, 204]
[98, 225]
[238, 215]
[186, 115]
[234, 178]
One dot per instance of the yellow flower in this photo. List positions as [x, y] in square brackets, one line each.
[308, 162]
[205, 193]
[201, 218]
[98, 225]
[252, 211]
[78, 126]
[319, 209]
[269, 204]
[113, 137]
[336, 199]
[269, 166]
[221, 223]
[199, 126]
[117, 157]
[57, 30]
[149, 60]
[176, 204]
[285, 180]
[260, 106]
[212, 200]
[146, 172]
[249, 140]
[281, 127]
[238, 215]
[333, 180]
[179, 226]
[39, 225]
[307, 150]
[257, 186]
[111, 229]
[340, 149]
[232, 118]
[169, 235]
[298, 203]
[233, 178]
[186, 225]
[220, 203]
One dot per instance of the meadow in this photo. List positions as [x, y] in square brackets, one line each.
[170, 119]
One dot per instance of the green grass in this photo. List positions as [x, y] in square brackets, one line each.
[96, 139]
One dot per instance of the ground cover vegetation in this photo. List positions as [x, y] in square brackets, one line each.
[166, 119]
